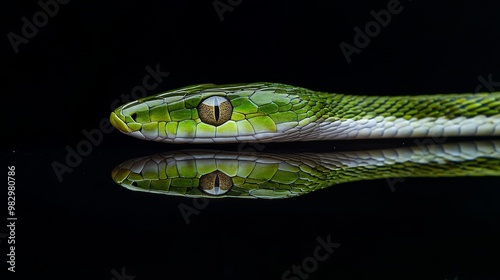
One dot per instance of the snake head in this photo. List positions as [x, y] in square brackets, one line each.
[212, 114]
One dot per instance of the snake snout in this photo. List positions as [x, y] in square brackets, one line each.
[118, 121]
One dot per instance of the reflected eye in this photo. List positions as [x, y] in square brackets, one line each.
[215, 110]
[215, 183]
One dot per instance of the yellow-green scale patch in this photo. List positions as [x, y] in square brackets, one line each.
[192, 101]
[245, 92]
[238, 181]
[181, 114]
[159, 113]
[286, 107]
[283, 117]
[262, 124]
[285, 177]
[299, 105]
[205, 130]
[263, 171]
[237, 116]
[269, 185]
[244, 128]
[159, 185]
[171, 171]
[227, 166]
[260, 97]
[205, 166]
[143, 184]
[171, 129]
[187, 169]
[281, 100]
[150, 130]
[186, 129]
[121, 175]
[162, 166]
[245, 168]
[180, 185]
[161, 130]
[135, 177]
[238, 101]
[194, 114]
[268, 108]
[135, 126]
[246, 107]
[174, 106]
[227, 129]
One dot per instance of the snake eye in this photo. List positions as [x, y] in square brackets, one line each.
[215, 110]
[215, 183]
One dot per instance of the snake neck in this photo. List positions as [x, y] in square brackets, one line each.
[340, 116]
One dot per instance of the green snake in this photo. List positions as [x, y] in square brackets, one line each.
[215, 174]
[273, 112]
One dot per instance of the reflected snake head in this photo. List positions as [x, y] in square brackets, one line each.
[212, 174]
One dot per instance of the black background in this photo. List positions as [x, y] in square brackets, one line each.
[65, 78]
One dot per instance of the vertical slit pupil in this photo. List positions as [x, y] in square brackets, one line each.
[217, 184]
[216, 109]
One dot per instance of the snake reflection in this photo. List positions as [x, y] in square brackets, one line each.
[216, 174]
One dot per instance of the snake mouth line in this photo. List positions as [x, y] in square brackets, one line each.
[119, 123]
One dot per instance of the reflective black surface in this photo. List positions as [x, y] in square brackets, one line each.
[59, 88]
